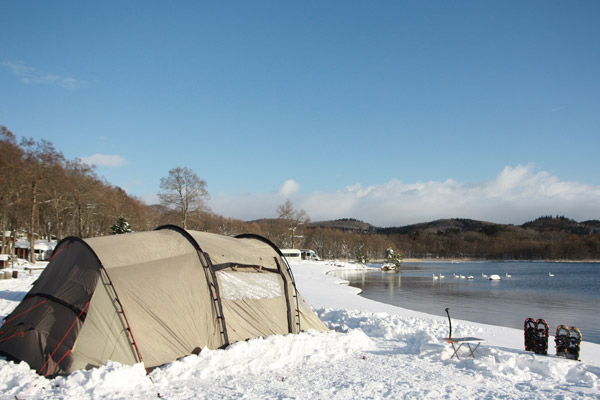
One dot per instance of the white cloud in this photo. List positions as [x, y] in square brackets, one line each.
[30, 75]
[289, 188]
[104, 160]
[151, 198]
[516, 195]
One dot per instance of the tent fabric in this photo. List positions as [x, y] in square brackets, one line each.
[153, 297]
[46, 323]
[104, 335]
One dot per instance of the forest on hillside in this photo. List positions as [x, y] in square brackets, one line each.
[546, 238]
[45, 196]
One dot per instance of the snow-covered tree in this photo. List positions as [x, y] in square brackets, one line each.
[392, 259]
[361, 256]
[121, 226]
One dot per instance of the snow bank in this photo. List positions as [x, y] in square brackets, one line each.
[373, 351]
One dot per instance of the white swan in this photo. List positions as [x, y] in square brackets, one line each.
[508, 275]
[550, 274]
[434, 277]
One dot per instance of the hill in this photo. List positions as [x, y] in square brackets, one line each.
[546, 238]
[345, 224]
[562, 224]
[440, 225]
[455, 225]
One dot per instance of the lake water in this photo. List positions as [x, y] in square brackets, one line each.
[571, 297]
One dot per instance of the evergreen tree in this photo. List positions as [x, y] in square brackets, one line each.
[122, 226]
[392, 258]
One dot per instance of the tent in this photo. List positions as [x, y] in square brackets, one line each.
[152, 297]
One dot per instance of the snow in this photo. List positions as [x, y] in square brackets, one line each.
[43, 245]
[240, 286]
[373, 351]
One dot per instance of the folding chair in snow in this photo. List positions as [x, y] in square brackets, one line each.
[472, 343]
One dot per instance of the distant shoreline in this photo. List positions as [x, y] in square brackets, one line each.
[464, 260]
[468, 260]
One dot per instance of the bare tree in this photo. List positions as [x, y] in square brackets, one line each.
[293, 217]
[80, 183]
[11, 171]
[41, 160]
[184, 191]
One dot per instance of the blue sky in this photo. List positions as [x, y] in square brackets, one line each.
[391, 112]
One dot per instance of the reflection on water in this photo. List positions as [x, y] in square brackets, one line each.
[526, 289]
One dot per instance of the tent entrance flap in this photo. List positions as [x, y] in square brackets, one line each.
[52, 314]
[106, 334]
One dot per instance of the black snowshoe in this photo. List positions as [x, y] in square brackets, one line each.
[541, 337]
[562, 340]
[529, 327]
[574, 343]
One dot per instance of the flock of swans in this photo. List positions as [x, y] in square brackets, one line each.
[470, 277]
[493, 277]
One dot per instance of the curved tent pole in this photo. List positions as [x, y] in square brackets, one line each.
[287, 300]
[122, 311]
[267, 241]
[287, 266]
[71, 239]
[209, 272]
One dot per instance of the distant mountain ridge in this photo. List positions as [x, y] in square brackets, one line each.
[346, 224]
[542, 224]
[545, 238]
[549, 223]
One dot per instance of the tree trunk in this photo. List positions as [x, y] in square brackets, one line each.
[32, 223]
[184, 214]
[57, 223]
[79, 221]
[3, 244]
[13, 240]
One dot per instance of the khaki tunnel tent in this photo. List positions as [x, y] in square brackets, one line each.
[152, 297]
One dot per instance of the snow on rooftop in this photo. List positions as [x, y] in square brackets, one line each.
[43, 245]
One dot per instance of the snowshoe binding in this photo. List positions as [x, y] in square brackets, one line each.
[541, 337]
[529, 328]
[574, 343]
[562, 340]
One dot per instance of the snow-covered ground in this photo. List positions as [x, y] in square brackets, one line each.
[373, 351]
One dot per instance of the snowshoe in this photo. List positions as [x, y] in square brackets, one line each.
[529, 328]
[562, 340]
[574, 343]
[541, 337]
